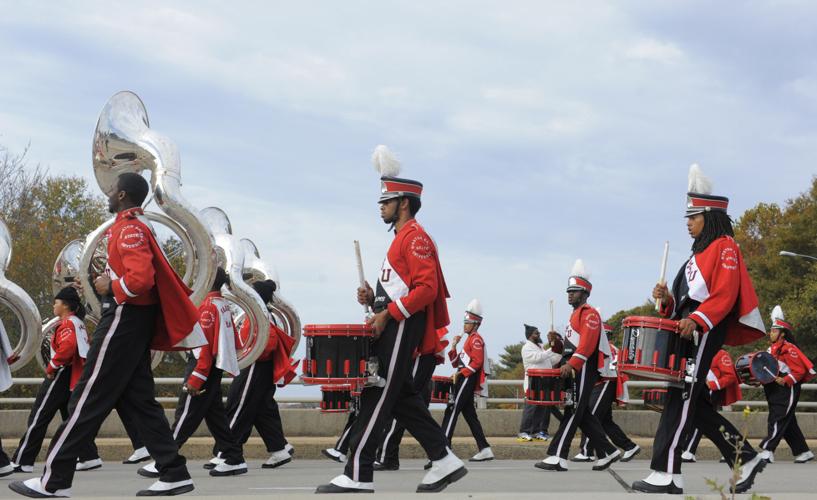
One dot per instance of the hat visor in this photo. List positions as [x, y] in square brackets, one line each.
[574, 288]
[388, 197]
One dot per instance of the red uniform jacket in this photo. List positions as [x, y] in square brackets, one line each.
[439, 348]
[278, 349]
[69, 347]
[585, 323]
[718, 279]
[795, 367]
[413, 279]
[471, 359]
[141, 275]
[723, 377]
[210, 319]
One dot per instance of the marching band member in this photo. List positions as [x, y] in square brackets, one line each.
[584, 331]
[6, 467]
[69, 347]
[713, 298]
[140, 453]
[144, 304]
[409, 306]
[535, 418]
[200, 397]
[724, 389]
[469, 379]
[605, 393]
[430, 354]
[341, 449]
[784, 393]
[251, 402]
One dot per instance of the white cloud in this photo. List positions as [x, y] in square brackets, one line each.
[650, 49]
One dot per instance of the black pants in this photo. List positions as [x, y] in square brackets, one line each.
[681, 416]
[601, 405]
[579, 416]
[117, 370]
[342, 444]
[130, 427]
[782, 420]
[207, 406]
[397, 399]
[464, 403]
[52, 398]
[251, 402]
[536, 418]
[4, 459]
[421, 374]
[695, 438]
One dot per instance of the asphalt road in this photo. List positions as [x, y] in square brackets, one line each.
[512, 479]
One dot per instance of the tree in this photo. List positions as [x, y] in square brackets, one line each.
[509, 359]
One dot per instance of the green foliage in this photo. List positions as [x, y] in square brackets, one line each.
[509, 360]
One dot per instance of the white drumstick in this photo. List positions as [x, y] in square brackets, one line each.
[551, 315]
[662, 280]
[360, 275]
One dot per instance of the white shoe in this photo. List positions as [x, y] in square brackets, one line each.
[581, 457]
[7, 469]
[334, 455]
[804, 457]
[289, 449]
[607, 461]
[225, 469]
[22, 468]
[443, 472]
[344, 484]
[748, 471]
[552, 463]
[139, 455]
[277, 459]
[524, 437]
[149, 470]
[35, 485]
[213, 462]
[484, 455]
[95, 463]
[688, 457]
[161, 488]
[766, 455]
[629, 454]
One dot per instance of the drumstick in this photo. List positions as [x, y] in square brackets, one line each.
[551, 316]
[360, 276]
[770, 372]
[662, 279]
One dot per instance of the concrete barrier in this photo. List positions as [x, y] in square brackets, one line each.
[310, 422]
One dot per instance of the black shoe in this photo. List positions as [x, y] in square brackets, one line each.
[333, 488]
[723, 460]
[387, 466]
[442, 483]
[180, 490]
[208, 466]
[277, 464]
[231, 472]
[553, 467]
[19, 470]
[645, 487]
[744, 486]
[142, 472]
[22, 489]
[427, 466]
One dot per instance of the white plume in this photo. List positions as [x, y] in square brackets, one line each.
[698, 182]
[474, 307]
[777, 313]
[580, 270]
[385, 162]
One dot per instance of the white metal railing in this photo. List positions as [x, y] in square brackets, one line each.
[178, 381]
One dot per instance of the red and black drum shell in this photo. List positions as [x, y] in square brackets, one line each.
[336, 354]
[545, 387]
[655, 399]
[757, 368]
[336, 398]
[441, 387]
[651, 349]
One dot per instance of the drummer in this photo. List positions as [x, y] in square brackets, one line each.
[724, 389]
[585, 333]
[713, 298]
[784, 393]
[535, 418]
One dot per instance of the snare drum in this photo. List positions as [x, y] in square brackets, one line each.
[545, 387]
[336, 354]
[441, 389]
[757, 368]
[651, 349]
[655, 399]
[337, 398]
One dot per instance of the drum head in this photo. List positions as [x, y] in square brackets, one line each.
[764, 367]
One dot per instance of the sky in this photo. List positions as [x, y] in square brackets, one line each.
[543, 131]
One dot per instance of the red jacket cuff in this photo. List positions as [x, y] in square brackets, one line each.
[395, 313]
[576, 362]
[195, 382]
[701, 320]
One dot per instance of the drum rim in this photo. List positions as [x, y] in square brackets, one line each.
[650, 322]
[544, 403]
[751, 356]
[441, 378]
[543, 372]
[336, 388]
[339, 329]
[629, 368]
[333, 380]
[347, 410]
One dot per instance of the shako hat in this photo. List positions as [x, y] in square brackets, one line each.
[779, 319]
[579, 278]
[391, 186]
[699, 194]
[473, 313]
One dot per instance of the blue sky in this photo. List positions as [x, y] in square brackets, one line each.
[543, 131]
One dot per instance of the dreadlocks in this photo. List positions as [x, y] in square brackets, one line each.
[716, 224]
